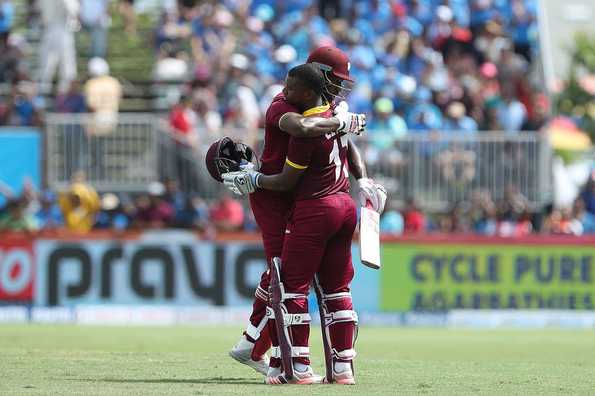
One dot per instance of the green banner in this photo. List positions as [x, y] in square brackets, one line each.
[439, 277]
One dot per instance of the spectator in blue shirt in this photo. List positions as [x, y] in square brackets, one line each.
[49, 215]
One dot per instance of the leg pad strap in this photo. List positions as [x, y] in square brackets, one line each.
[296, 351]
[346, 315]
[291, 319]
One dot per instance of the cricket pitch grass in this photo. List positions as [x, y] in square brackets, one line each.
[66, 359]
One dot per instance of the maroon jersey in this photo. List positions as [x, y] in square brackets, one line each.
[325, 162]
[276, 141]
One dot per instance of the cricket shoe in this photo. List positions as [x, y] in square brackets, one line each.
[242, 352]
[305, 377]
[343, 377]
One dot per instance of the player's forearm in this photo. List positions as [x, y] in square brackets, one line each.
[276, 182]
[318, 126]
[299, 126]
[357, 167]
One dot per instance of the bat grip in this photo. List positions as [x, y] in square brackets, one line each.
[368, 204]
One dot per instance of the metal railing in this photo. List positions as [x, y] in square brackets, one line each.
[440, 169]
[125, 159]
[435, 169]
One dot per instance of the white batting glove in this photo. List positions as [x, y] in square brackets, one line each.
[242, 182]
[351, 122]
[341, 107]
[372, 194]
[382, 195]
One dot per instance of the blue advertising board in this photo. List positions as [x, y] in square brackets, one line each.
[20, 153]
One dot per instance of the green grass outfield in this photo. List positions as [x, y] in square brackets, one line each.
[61, 360]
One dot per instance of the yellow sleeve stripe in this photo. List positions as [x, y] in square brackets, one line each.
[316, 110]
[294, 165]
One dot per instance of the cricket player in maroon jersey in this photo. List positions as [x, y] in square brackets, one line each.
[271, 208]
[319, 231]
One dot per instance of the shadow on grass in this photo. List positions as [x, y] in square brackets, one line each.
[211, 380]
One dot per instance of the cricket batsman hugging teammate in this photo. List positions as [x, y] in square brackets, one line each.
[300, 198]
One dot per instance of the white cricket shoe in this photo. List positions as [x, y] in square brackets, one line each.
[304, 377]
[342, 374]
[242, 353]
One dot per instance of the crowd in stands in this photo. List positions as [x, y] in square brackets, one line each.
[455, 66]
[81, 209]
[419, 65]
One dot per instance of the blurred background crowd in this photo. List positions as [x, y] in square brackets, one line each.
[81, 209]
[460, 67]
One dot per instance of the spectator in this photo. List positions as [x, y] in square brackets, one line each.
[172, 65]
[102, 95]
[227, 214]
[182, 121]
[49, 215]
[111, 216]
[57, 49]
[79, 204]
[511, 112]
[6, 20]
[585, 219]
[25, 106]
[386, 127]
[71, 101]
[95, 19]
[588, 194]
[126, 8]
[153, 210]
[12, 48]
[457, 120]
[16, 218]
[415, 221]
[392, 222]
[193, 215]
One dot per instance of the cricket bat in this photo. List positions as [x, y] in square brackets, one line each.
[369, 237]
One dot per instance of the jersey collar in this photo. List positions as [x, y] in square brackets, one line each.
[316, 110]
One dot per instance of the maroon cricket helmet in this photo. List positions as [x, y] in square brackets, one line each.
[225, 155]
[333, 63]
[333, 58]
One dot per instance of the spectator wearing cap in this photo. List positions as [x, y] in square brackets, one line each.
[102, 94]
[152, 209]
[386, 127]
[111, 216]
[457, 120]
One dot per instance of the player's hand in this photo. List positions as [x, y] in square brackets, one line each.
[372, 193]
[341, 107]
[242, 182]
[351, 122]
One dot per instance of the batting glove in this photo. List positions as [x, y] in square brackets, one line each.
[242, 182]
[372, 194]
[351, 122]
[341, 107]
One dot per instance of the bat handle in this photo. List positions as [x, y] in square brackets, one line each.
[368, 204]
